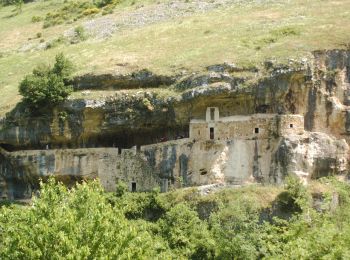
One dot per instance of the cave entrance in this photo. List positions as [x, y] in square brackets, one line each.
[8, 147]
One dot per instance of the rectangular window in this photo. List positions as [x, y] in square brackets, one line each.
[291, 125]
[133, 186]
[256, 130]
[211, 133]
[212, 114]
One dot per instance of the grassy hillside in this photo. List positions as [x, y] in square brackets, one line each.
[167, 37]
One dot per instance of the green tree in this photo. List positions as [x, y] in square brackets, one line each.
[63, 67]
[186, 234]
[48, 85]
[236, 230]
[71, 224]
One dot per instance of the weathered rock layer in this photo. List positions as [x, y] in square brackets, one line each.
[317, 88]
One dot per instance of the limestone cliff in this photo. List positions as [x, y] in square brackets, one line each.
[316, 88]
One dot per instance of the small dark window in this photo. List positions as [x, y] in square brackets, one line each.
[211, 133]
[212, 114]
[291, 125]
[256, 130]
[133, 187]
[203, 171]
[199, 132]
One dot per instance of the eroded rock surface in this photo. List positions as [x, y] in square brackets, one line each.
[318, 89]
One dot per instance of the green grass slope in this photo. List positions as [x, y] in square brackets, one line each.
[243, 32]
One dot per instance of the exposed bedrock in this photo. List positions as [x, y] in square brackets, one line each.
[309, 156]
[139, 79]
[178, 163]
[318, 88]
[127, 120]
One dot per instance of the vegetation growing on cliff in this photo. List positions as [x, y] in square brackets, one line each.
[244, 223]
[48, 85]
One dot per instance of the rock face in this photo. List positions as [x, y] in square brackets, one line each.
[139, 79]
[179, 163]
[318, 89]
[311, 155]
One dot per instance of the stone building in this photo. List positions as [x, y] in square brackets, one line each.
[261, 148]
[259, 126]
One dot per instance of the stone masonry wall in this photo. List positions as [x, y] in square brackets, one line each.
[260, 126]
[184, 162]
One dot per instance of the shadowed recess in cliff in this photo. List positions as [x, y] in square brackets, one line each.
[311, 108]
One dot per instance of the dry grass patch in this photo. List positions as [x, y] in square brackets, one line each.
[246, 33]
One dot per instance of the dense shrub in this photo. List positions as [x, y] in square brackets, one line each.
[79, 34]
[71, 224]
[102, 3]
[186, 234]
[86, 223]
[235, 228]
[47, 85]
[73, 11]
[90, 11]
[295, 197]
[36, 19]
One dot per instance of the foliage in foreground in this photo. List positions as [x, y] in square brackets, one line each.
[48, 85]
[84, 222]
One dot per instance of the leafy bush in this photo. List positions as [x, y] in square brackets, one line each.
[90, 11]
[71, 224]
[147, 206]
[86, 223]
[47, 85]
[186, 234]
[56, 42]
[296, 197]
[286, 31]
[73, 11]
[79, 34]
[103, 3]
[235, 228]
[36, 19]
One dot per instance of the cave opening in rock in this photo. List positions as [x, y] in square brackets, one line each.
[7, 147]
[117, 138]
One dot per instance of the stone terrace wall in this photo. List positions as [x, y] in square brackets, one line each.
[20, 171]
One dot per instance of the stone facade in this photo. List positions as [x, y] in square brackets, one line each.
[257, 126]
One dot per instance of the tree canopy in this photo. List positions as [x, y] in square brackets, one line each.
[48, 85]
[84, 222]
